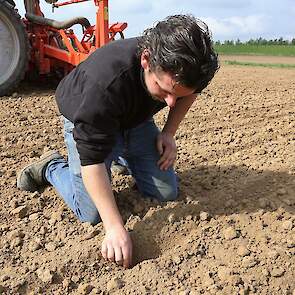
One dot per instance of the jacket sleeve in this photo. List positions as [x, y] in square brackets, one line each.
[96, 125]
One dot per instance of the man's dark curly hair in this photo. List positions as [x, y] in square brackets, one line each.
[182, 46]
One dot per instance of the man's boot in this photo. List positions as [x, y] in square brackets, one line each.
[31, 178]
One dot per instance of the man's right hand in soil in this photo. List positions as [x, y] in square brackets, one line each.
[117, 246]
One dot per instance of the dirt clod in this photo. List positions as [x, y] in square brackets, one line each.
[51, 246]
[91, 234]
[20, 211]
[248, 262]
[277, 272]
[287, 225]
[204, 216]
[34, 216]
[75, 278]
[114, 284]
[45, 275]
[230, 233]
[33, 246]
[243, 251]
[84, 289]
[273, 254]
[16, 242]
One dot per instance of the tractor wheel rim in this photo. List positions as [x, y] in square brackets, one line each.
[9, 48]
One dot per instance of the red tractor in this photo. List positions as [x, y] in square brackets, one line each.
[39, 45]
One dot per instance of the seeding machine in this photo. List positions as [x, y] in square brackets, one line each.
[36, 45]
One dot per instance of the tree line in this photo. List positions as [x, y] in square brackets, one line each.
[258, 41]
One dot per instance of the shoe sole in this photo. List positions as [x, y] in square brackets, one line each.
[48, 155]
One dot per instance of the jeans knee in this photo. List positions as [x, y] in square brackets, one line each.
[92, 217]
[169, 194]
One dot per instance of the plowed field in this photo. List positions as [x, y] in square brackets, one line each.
[232, 231]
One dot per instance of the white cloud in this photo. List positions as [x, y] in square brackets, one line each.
[237, 26]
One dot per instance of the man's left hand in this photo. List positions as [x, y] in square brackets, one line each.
[167, 149]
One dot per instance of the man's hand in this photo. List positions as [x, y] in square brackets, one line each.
[117, 246]
[167, 149]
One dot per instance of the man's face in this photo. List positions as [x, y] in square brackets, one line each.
[162, 85]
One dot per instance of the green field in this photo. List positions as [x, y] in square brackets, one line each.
[245, 49]
[255, 64]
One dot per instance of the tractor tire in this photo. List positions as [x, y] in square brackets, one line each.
[14, 48]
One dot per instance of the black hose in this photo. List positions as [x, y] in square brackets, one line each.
[31, 16]
[57, 24]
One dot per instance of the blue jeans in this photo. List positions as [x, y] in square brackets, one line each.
[137, 146]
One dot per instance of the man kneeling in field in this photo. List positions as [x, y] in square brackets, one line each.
[107, 103]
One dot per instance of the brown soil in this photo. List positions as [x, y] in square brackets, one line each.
[231, 232]
[259, 59]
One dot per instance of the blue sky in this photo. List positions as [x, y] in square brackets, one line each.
[227, 19]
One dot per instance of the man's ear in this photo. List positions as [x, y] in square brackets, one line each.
[145, 59]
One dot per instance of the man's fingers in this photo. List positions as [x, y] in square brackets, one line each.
[167, 149]
[117, 246]
[160, 146]
[127, 256]
[167, 163]
[104, 251]
[118, 256]
[166, 155]
[111, 253]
